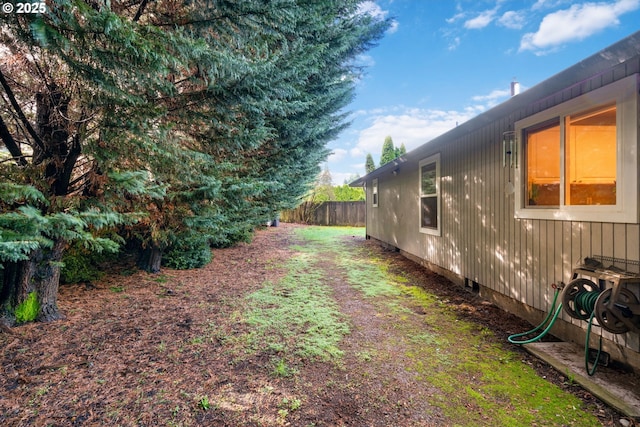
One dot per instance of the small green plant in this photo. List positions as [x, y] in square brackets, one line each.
[117, 289]
[290, 404]
[365, 356]
[204, 403]
[486, 332]
[42, 391]
[281, 369]
[128, 272]
[571, 378]
[196, 340]
[161, 279]
[28, 310]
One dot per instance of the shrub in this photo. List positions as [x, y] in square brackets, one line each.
[232, 236]
[189, 250]
[82, 265]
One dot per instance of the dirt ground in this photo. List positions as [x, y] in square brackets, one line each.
[142, 350]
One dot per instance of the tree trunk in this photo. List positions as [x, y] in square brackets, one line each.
[47, 282]
[39, 274]
[60, 157]
[15, 286]
[150, 259]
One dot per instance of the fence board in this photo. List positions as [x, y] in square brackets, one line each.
[327, 213]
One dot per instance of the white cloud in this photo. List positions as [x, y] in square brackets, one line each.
[456, 17]
[512, 20]
[539, 4]
[576, 23]
[365, 60]
[373, 9]
[453, 45]
[481, 21]
[415, 126]
[493, 98]
[393, 27]
[548, 4]
[337, 155]
[409, 126]
[339, 178]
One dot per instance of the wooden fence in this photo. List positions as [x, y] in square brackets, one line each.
[327, 213]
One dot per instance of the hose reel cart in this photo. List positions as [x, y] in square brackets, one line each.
[616, 308]
[600, 293]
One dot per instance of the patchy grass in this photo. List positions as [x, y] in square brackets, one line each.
[479, 382]
[296, 314]
[304, 326]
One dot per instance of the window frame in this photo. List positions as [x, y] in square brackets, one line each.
[624, 93]
[375, 197]
[434, 231]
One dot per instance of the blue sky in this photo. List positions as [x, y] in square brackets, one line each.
[445, 61]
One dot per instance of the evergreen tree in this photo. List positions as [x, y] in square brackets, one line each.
[177, 120]
[90, 125]
[369, 165]
[402, 150]
[388, 151]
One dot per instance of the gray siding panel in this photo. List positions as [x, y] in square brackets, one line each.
[481, 239]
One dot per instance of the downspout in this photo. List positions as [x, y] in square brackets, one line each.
[366, 211]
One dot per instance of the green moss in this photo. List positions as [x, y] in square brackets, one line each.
[479, 382]
[28, 310]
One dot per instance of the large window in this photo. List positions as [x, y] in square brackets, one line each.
[543, 164]
[580, 160]
[590, 157]
[430, 195]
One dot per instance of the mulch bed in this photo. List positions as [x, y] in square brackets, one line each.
[143, 349]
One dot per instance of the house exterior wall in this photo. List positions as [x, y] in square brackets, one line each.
[513, 260]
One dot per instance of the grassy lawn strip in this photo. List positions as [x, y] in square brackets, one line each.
[481, 382]
[297, 315]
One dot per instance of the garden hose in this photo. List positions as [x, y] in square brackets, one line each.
[591, 371]
[584, 302]
[512, 338]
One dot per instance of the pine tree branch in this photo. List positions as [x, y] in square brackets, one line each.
[11, 144]
[21, 115]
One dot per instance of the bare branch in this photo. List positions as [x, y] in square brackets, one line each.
[21, 115]
[140, 10]
[11, 144]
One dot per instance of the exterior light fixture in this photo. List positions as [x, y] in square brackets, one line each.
[509, 149]
[509, 157]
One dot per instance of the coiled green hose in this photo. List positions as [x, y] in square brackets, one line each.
[585, 301]
[513, 338]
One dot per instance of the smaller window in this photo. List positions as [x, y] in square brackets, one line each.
[430, 195]
[374, 196]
